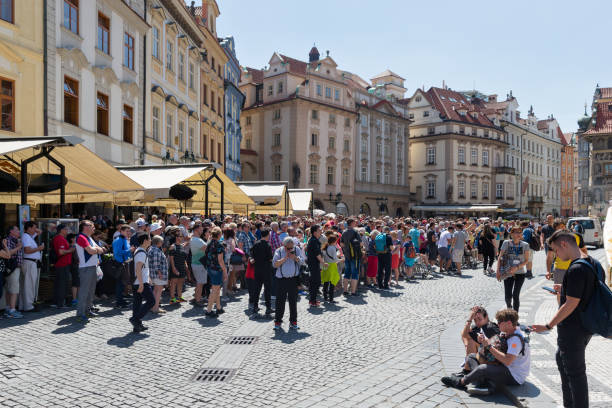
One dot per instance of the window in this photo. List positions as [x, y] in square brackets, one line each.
[7, 100]
[461, 155]
[461, 188]
[169, 55]
[103, 29]
[328, 92]
[431, 130]
[279, 88]
[276, 140]
[128, 124]
[332, 118]
[486, 133]
[212, 64]
[608, 169]
[212, 101]
[169, 131]
[212, 150]
[156, 123]
[431, 155]
[378, 149]
[314, 174]
[220, 107]
[248, 143]
[7, 10]
[399, 176]
[364, 145]
[314, 139]
[191, 140]
[181, 66]
[319, 90]
[499, 190]
[315, 114]
[462, 130]
[181, 135]
[332, 142]
[337, 94]
[485, 157]
[347, 145]
[205, 94]
[485, 189]
[474, 155]
[431, 189]
[387, 177]
[330, 175]
[71, 101]
[473, 189]
[155, 50]
[347, 122]
[248, 120]
[277, 172]
[128, 51]
[277, 114]
[411, 116]
[364, 173]
[426, 114]
[102, 110]
[364, 120]
[378, 179]
[270, 90]
[71, 15]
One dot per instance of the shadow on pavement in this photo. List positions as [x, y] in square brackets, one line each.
[315, 310]
[289, 337]
[208, 322]
[126, 341]
[527, 390]
[332, 307]
[193, 312]
[387, 294]
[356, 300]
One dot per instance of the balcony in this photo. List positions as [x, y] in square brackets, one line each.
[505, 170]
[535, 200]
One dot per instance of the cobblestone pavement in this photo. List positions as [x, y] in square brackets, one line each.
[379, 349]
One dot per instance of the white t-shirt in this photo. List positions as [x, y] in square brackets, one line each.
[141, 256]
[28, 242]
[520, 366]
[86, 259]
[444, 238]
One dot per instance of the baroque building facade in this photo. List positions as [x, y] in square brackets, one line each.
[96, 75]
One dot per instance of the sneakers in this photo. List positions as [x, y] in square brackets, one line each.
[220, 311]
[277, 326]
[180, 299]
[479, 389]
[12, 314]
[294, 326]
[453, 381]
[73, 303]
[316, 303]
[173, 301]
[211, 314]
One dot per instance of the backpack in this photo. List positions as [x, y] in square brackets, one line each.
[534, 241]
[597, 315]
[410, 250]
[381, 243]
[579, 228]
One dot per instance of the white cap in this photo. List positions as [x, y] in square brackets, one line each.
[155, 226]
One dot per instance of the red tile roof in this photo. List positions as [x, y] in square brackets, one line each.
[603, 119]
[543, 124]
[256, 75]
[449, 103]
[295, 66]
[606, 92]
[564, 138]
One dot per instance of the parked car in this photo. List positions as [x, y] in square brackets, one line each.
[593, 232]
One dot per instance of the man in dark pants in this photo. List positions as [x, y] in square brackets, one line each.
[122, 253]
[384, 262]
[64, 253]
[261, 258]
[572, 338]
[287, 260]
[142, 284]
[314, 260]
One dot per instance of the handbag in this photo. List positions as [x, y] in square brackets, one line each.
[99, 273]
[250, 271]
[236, 257]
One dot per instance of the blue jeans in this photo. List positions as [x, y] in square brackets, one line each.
[350, 269]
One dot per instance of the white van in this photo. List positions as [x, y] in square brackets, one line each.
[593, 233]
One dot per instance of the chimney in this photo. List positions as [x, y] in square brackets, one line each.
[493, 98]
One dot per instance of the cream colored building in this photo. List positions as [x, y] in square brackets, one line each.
[174, 42]
[298, 125]
[456, 156]
[21, 69]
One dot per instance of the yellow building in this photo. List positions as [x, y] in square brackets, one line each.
[21, 68]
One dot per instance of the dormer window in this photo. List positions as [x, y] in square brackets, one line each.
[425, 114]
[418, 98]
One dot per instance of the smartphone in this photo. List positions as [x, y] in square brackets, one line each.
[551, 290]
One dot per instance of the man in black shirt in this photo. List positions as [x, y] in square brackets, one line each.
[314, 259]
[547, 231]
[261, 258]
[384, 261]
[351, 245]
[572, 337]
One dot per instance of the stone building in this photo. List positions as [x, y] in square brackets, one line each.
[96, 75]
[567, 175]
[583, 153]
[298, 125]
[21, 69]
[457, 156]
[599, 135]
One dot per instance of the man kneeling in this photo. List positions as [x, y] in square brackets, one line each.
[503, 360]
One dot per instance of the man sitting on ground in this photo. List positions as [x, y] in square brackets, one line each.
[507, 361]
[469, 334]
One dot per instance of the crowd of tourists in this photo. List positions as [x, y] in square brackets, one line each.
[149, 262]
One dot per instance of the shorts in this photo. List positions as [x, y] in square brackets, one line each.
[444, 254]
[350, 269]
[11, 282]
[199, 273]
[432, 251]
[159, 282]
[395, 261]
[215, 277]
[558, 275]
[458, 255]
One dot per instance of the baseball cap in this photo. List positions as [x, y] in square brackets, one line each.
[155, 226]
[140, 222]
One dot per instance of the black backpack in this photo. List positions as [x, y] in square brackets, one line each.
[597, 315]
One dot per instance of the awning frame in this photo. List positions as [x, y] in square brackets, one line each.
[256, 183]
[205, 184]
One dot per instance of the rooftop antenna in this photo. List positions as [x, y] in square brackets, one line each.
[585, 107]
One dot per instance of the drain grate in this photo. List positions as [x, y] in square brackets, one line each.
[213, 375]
[242, 340]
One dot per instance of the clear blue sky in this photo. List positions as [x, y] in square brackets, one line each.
[549, 53]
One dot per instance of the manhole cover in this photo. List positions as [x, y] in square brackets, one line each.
[242, 340]
[213, 375]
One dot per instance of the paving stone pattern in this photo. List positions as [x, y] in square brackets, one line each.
[379, 349]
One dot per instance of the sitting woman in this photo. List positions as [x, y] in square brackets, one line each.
[477, 322]
[501, 360]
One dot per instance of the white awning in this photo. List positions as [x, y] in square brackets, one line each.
[158, 180]
[300, 200]
[264, 193]
[10, 146]
[456, 208]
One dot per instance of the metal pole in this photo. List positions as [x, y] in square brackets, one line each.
[206, 199]
[521, 182]
[222, 193]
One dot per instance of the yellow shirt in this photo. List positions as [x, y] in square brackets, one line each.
[564, 265]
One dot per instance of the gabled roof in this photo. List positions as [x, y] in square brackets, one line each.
[386, 104]
[295, 66]
[387, 73]
[449, 103]
[603, 119]
[565, 138]
[605, 92]
[256, 75]
[543, 124]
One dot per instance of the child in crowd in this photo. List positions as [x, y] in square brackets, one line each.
[329, 275]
